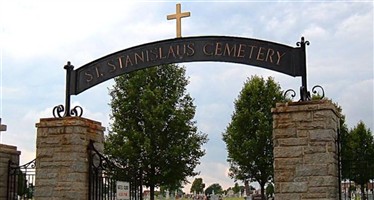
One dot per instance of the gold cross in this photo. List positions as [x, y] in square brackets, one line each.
[178, 16]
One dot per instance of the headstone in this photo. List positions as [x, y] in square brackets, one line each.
[167, 194]
[257, 197]
[213, 196]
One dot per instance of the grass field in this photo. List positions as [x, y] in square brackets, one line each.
[233, 198]
[225, 198]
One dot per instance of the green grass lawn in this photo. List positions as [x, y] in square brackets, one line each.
[184, 198]
[233, 198]
[225, 198]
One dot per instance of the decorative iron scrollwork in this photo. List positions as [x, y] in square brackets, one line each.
[293, 93]
[76, 111]
[302, 42]
[322, 91]
[58, 111]
[305, 94]
[21, 180]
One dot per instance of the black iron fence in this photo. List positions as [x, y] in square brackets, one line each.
[357, 179]
[104, 181]
[21, 181]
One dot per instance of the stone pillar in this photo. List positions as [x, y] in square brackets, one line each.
[305, 150]
[7, 153]
[62, 157]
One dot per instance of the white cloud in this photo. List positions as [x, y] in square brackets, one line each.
[354, 26]
[41, 28]
[357, 102]
[316, 32]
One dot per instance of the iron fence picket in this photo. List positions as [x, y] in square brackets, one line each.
[349, 187]
[21, 181]
[102, 176]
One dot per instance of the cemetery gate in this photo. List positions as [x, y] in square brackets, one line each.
[106, 179]
[21, 180]
[351, 188]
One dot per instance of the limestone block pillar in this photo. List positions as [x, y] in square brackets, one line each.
[62, 157]
[305, 150]
[7, 153]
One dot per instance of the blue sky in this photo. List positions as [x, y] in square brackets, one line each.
[37, 38]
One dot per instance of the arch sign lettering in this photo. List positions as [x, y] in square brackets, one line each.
[247, 51]
[265, 54]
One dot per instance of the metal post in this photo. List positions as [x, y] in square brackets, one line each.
[69, 68]
[339, 164]
[304, 93]
[77, 110]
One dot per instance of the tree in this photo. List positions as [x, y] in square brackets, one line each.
[236, 188]
[358, 151]
[197, 186]
[153, 127]
[248, 137]
[270, 190]
[217, 188]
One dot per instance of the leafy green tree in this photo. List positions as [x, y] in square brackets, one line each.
[270, 190]
[217, 188]
[358, 151]
[345, 153]
[197, 186]
[153, 134]
[248, 137]
[242, 188]
[236, 188]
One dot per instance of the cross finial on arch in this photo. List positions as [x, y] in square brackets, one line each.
[178, 16]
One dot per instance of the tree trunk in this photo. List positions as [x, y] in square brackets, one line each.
[152, 192]
[141, 192]
[263, 196]
[141, 184]
[247, 189]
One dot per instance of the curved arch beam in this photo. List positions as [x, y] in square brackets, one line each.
[265, 54]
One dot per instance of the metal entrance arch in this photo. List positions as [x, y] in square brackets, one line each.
[265, 54]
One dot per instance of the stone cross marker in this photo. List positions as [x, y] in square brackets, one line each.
[2, 128]
[178, 16]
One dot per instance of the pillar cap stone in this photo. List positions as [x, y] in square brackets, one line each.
[9, 149]
[313, 105]
[69, 121]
